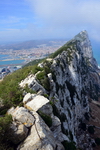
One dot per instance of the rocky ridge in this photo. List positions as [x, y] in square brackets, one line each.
[52, 118]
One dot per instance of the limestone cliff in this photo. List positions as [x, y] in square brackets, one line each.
[69, 79]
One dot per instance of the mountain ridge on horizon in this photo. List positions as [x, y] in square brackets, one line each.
[17, 45]
[30, 43]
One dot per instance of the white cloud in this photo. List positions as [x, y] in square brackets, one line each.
[10, 20]
[67, 15]
[54, 19]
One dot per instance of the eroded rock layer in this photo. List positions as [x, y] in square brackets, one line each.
[68, 81]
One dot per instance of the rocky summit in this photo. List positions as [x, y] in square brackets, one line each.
[58, 116]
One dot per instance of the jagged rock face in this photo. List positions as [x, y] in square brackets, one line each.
[32, 83]
[70, 82]
[84, 44]
[40, 137]
[73, 76]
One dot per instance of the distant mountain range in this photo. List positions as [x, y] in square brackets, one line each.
[32, 43]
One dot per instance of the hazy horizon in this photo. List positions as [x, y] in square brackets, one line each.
[41, 19]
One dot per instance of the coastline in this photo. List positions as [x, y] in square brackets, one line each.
[12, 62]
[11, 65]
[11, 59]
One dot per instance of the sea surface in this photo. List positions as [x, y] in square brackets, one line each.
[6, 60]
[2, 57]
[96, 55]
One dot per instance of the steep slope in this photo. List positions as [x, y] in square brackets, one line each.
[59, 111]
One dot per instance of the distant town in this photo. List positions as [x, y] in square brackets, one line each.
[27, 51]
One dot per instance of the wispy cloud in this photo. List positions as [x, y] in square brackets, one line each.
[50, 19]
[10, 20]
[68, 14]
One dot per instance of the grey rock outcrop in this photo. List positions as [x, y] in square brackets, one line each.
[28, 97]
[37, 102]
[17, 132]
[32, 83]
[73, 76]
[40, 137]
[21, 115]
[84, 44]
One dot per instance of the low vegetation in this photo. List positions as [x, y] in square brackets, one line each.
[12, 95]
[10, 92]
[97, 141]
[47, 119]
[34, 62]
[91, 129]
[69, 145]
[42, 76]
[67, 47]
[4, 132]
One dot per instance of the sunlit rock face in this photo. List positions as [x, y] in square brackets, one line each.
[84, 43]
[73, 79]
[70, 84]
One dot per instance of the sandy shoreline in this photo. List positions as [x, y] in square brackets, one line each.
[11, 59]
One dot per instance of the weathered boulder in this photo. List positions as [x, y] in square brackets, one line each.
[28, 97]
[47, 109]
[21, 115]
[11, 111]
[57, 131]
[17, 132]
[40, 137]
[36, 103]
[32, 83]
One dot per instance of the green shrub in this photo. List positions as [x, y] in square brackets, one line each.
[93, 145]
[43, 79]
[51, 103]
[86, 115]
[46, 95]
[10, 91]
[91, 129]
[4, 132]
[40, 76]
[47, 119]
[97, 141]
[63, 117]
[83, 126]
[28, 90]
[69, 145]
[71, 135]
[46, 83]
[3, 111]
[47, 66]
[34, 62]
[67, 47]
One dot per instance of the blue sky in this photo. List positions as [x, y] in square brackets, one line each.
[22, 20]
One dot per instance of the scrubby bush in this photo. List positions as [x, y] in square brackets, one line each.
[97, 140]
[40, 76]
[86, 115]
[10, 90]
[69, 145]
[47, 119]
[34, 62]
[4, 132]
[93, 145]
[28, 90]
[67, 47]
[91, 129]
[43, 79]
[83, 126]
